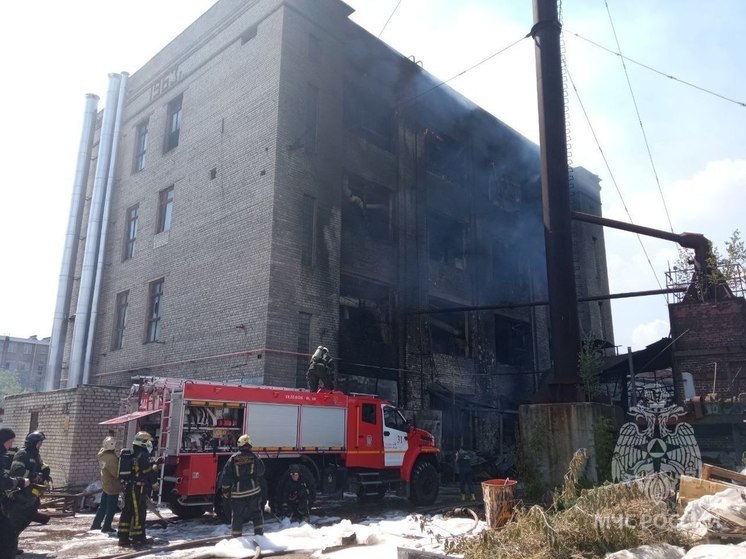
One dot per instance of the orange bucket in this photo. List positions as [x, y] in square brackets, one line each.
[499, 500]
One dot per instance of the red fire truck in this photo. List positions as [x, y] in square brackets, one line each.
[341, 441]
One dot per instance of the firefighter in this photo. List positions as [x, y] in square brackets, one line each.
[295, 495]
[27, 463]
[321, 368]
[465, 473]
[111, 487]
[137, 481]
[241, 485]
[8, 484]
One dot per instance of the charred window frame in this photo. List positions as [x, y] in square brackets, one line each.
[511, 275]
[504, 191]
[514, 343]
[449, 332]
[165, 209]
[130, 232]
[141, 145]
[308, 230]
[447, 240]
[368, 116]
[366, 208]
[120, 320]
[445, 157]
[365, 312]
[312, 116]
[155, 310]
[303, 348]
[173, 124]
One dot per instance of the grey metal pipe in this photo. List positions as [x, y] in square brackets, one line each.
[93, 233]
[88, 359]
[70, 250]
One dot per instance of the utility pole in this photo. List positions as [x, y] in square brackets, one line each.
[555, 187]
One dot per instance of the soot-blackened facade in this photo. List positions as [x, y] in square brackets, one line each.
[285, 179]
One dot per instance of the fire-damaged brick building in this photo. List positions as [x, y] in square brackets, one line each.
[283, 179]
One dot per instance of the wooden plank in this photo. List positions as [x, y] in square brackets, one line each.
[708, 470]
[691, 488]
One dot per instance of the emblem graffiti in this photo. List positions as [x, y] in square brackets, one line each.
[656, 442]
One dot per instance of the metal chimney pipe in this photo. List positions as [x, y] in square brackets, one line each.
[90, 254]
[70, 250]
[555, 187]
[104, 230]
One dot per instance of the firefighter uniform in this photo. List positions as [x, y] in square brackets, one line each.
[8, 485]
[295, 495]
[241, 484]
[27, 463]
[137, 483]
[321, 368]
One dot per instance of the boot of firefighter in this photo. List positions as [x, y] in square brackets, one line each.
[40, 518]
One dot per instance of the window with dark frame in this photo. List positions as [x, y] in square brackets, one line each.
[120, 320]
[33, 423]
[173, 124]
[141, 145]
[308, 230]
[368, 413]
[447, 240]
[366, 208]
[155, 308]
[165, 209]
[130, 233]
[369, 116]
[312, 113]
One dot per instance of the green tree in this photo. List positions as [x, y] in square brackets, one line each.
[9, 384]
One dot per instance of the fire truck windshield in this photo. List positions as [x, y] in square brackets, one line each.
[394, 419]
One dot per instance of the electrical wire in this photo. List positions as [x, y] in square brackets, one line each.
[389, 19]
[669, 76]
[639, 118]
[611, 174]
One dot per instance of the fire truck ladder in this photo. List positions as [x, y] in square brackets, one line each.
[167, 419]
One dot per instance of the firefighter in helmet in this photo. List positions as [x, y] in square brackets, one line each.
[137, 483]
[27, 463]
[295, 495]
[241, 484]
[8, 485]
[321, 368]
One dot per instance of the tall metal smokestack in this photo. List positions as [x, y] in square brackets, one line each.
[555, 186]
[104, 229]
[70, 250]
[90, 254]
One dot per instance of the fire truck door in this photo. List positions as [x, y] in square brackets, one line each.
[395, 441]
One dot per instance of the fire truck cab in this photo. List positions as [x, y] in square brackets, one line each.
[341, 442]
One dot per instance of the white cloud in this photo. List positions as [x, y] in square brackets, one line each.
[645, 334]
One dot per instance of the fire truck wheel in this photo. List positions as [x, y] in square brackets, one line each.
[186, 512]
[425, 483]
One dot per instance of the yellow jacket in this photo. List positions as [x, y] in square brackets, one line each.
[109, 461]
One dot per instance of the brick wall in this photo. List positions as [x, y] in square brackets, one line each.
[69, 419]
[711, 337]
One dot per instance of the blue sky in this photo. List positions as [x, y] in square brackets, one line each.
[696, 139]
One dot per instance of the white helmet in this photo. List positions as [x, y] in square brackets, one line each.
[109, 443]
[244, 440]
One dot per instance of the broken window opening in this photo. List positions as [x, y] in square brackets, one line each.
[503, 190]
[366, 208]
[369, 116]
[445, 157]
[447, 240]
[449, 331]
[513, 343]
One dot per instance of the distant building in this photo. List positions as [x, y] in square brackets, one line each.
[285, 179]
[27, 357]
